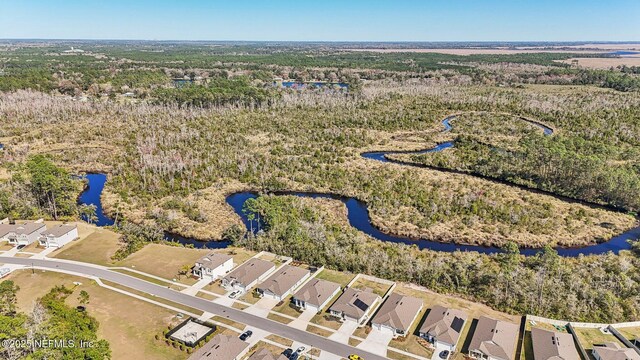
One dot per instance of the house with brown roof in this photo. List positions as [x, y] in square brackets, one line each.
[245, 276]
[553, 345]
[494, 340]
[613, 351]
[25, 233]
[282, 283]
[264, 354]
[315, 294]
[443, 326]
[397, 314]
[58, 236]
[212, 266]
[355, 305]
[221, 347]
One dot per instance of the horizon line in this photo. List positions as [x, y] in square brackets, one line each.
[337, 41]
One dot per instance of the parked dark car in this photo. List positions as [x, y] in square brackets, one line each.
[444, 354]
[294, 356]
[287, 352]
[20, 247]
[245, 335]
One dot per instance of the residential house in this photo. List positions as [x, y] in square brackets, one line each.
[315, 294]
[494, 340]
[355, 305]
[221, 347]
[397, 314]
[245, 276]
[58, 236]
[264, 354]
[282, 283]
[613, 351]
[5, 228]
[213, 266]
[442, 327]
[553, 345]
[25, 233]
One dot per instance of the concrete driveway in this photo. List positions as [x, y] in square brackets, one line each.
[344, 332]
[437, 351]
[377, 341]
[303, 320]
[262, 307]
[193, 289]
[225, 299]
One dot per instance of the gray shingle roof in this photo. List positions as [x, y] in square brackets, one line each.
[354, 303]
[213, 261]
[250, 271]
[444, 324]
[316, 291]
[221, 347]
[495, 338]
[398, 312]
[553, 345]
[284, 279]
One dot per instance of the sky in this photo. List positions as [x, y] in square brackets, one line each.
[323, 20]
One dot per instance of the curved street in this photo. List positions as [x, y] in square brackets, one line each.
[265, 324]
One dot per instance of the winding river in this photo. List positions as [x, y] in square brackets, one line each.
[358, 213]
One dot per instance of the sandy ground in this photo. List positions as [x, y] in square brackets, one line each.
[605, 63]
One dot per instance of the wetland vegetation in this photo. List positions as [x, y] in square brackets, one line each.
[172, 154]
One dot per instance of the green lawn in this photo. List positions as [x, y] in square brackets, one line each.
[337, 277]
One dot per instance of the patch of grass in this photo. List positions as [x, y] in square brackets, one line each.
[154, 298]
[251, 297]
[410, 344]
[278, 318]
[288, 308]
[203, 295]
[318, 331]
[215, 287]
[362, 332]
[630, 332]
[326, 320]
[354, 342]
[397, 356]
[149, 279]
[589, 337]
[96, 246]
[375, 286]
[239, 306]
[229, 322]
[280, 340]
[338, 277]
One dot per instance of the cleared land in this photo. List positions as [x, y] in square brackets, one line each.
[127, 323]
[605, 63]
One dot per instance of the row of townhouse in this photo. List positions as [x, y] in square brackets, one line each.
[28, 232]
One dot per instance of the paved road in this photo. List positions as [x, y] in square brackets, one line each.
[234, 314]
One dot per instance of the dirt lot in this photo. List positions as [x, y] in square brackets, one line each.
[127, 323]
